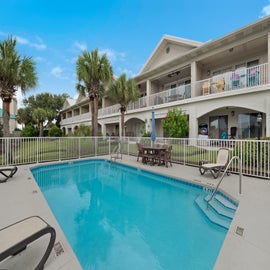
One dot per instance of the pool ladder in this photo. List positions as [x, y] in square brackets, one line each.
[116, 152]
[225, 171]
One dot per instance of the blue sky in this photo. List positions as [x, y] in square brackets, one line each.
[54, 33]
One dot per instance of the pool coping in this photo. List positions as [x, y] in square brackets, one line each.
[249, 251]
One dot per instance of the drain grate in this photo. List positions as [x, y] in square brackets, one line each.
[58, 248]
[239, 231]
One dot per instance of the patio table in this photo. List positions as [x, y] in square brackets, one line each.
[153, 154]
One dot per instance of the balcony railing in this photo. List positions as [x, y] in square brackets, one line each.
[76, 119]
[239, 79]
[171, 95]
[254, 154]
[109, 110]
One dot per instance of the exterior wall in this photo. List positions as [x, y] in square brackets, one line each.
[190, 65]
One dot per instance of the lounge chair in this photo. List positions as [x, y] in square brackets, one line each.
[223, 158]
[16, 237]
[7, 173]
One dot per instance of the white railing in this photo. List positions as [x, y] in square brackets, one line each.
[76, 119]
[254, 154]
[109, 110]
[171, 95]
[239, 79]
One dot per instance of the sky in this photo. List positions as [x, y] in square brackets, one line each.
[55, 33]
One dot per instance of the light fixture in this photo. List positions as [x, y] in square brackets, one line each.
[232, 113]
[208, 72]
[231, 50]
[259, 118]
[174, 74]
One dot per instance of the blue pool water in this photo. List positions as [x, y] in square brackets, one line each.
[117, 217]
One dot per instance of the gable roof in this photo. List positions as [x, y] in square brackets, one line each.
[68, 103]
[167, 49]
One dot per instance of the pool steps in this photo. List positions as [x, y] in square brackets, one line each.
[219, 211]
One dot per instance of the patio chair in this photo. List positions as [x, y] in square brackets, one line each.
[7, 173]
[15, 238]
[206, 88]
[220, 85]
[223, 158]
[140, 151]
[166, 156]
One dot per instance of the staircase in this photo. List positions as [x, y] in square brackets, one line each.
[219, 210]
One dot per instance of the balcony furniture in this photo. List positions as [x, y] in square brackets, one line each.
[220, 85]
[223, 158]
[253, 77]
[235, 81]
[206, 88]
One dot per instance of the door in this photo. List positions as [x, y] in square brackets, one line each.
[218, 125]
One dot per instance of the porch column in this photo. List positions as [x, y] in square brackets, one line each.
[193, 79]
[268, 44]
[148, 92]
[267, 117]
[103, 129]
[193, 123]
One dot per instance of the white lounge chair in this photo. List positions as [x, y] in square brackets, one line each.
[223, 158]
[16, 237]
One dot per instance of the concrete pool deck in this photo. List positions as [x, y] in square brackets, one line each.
[20, 197]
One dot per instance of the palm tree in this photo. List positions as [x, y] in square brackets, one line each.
[93, 72]
[15, 72]
[123, 91]
[40, 116]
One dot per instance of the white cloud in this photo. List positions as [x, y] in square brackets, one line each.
[57, 72]
[80, 46]
[265, 11]
[112, 55]
[24, 41]
[19, 98]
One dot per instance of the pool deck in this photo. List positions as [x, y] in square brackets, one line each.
[20, 197]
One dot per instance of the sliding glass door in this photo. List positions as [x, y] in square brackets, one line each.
[218, 125]
[247, 123]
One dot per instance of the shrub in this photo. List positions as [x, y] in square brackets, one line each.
[55, 131]
[29, 131]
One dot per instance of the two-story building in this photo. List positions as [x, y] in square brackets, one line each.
[222, 85]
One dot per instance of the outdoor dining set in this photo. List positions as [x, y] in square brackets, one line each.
[155, 154]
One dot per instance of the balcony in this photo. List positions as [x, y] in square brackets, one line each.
[76, 119]
[239, 79]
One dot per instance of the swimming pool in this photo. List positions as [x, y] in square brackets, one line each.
[119, 217]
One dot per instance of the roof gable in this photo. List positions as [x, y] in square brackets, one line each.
[68, 103]
[167, 49]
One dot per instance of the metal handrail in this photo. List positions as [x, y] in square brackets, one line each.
[225, 171]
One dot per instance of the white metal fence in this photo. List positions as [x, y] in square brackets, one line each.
[254, 154]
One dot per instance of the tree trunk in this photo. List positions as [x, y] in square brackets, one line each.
[40, 129]
[92, 116]
[122, 123]
[6, 116]
[95, 123]
[123, 110]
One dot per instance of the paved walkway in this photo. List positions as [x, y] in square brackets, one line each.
[20, 197]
